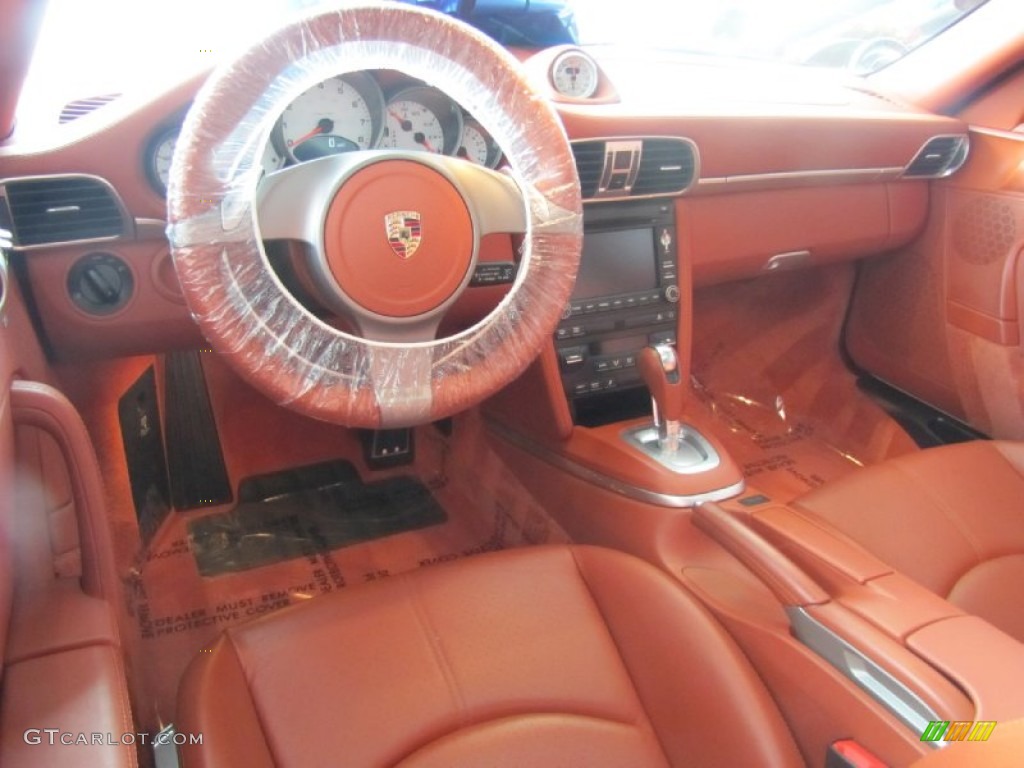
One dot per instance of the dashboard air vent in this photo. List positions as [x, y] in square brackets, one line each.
[667, 166]
[622, 168]
[939, 157]
[60, 209]
[82, 107]
[589, 165]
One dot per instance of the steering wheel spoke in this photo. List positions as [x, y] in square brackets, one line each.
[290, 202]
[419, 330]
[497, 202]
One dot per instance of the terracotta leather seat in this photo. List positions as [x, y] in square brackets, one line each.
[952, 518]
[62, 662]
[543, 656]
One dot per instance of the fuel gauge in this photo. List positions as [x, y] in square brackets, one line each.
[477, 145]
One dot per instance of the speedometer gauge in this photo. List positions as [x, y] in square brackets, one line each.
[338, 115]
[422, 118]
[575, 74]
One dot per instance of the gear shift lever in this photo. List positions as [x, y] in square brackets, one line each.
[659, 367]
[677, 447]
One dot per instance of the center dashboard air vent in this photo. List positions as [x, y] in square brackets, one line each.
[615, 169]
[60, 209]
[589, 157]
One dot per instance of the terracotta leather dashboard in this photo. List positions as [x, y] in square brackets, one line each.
[775, 177]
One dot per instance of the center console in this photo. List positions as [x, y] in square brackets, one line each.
[626, 298]
[623, 341]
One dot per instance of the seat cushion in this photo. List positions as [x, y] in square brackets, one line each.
[54, 704]
[540, 656]
[952, 518]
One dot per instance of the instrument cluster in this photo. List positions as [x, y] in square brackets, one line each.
[356, 111]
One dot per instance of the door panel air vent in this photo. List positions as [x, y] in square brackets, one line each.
[82, 107]
[621, 168]
[589, 165]
[667, 167]
[61, 209]
[939, 157]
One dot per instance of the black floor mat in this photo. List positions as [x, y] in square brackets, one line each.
[139, 418]
[195, 462]
[925, 425]
[307, 511]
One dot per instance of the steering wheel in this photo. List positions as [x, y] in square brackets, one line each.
[395, 235]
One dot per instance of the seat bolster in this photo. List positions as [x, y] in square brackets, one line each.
[221, 708]
[991, 591]
[43, 407]
[1013, 452]
[57, 619]
[681, 660]
[552, 739]
[76, 694]
[65, 698]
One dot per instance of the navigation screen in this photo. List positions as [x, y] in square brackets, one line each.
[622, 261]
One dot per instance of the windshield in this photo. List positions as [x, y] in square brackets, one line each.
[859, 36]
[89, 49]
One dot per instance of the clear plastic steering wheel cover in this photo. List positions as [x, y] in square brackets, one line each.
[237, 299]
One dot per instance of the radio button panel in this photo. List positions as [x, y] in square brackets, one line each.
[625, 246]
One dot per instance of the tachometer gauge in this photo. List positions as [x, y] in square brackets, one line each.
[338, 115]
[422, 118]
[575, 74]
[477, 145]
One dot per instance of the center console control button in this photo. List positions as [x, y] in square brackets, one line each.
[614, 362]
[572, 358]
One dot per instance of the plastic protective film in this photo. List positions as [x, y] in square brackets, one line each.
[241, 305]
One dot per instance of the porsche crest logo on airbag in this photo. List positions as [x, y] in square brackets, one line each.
[404, 232]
